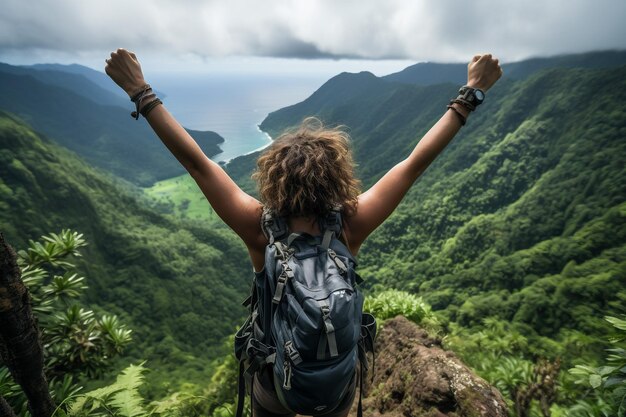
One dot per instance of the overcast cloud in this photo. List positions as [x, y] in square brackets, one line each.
[435, 30]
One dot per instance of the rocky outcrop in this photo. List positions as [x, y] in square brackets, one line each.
[415, 376]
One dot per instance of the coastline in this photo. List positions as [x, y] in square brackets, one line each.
[260, 148]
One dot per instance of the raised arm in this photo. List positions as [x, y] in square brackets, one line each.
[377, 203]
[240, 211]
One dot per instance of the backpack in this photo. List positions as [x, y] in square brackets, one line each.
[306, 323]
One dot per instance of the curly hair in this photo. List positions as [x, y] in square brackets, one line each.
[308, 171]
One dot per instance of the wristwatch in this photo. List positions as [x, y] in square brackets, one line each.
[473, 96]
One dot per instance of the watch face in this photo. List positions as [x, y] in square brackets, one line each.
[480, 96]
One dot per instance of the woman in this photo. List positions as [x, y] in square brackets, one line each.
[301, 175]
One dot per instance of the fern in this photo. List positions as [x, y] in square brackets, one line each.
[119, 399]
[128, 400]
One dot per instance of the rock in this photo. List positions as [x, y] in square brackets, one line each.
[415, 376]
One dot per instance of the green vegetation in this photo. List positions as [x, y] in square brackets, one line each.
[123, 399]
[515, 236]
[608, 381]
[181, 197]
[78, 343]
[427, 73]
[83, 117]
[177, 283]
[391, 303]
[119, 399]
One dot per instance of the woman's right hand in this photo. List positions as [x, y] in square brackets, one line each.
[483, 72]
[124, 68]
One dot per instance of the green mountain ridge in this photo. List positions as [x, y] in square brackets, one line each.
[429, 73]
[80, 116]
[177, 284]
[522, 216]
[72, 81]
[97, 77]
[522, 219]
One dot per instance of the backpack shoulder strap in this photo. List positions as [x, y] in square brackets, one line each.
[274, 227]
[331, 224]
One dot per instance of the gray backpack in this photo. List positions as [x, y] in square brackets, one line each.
[306, 323]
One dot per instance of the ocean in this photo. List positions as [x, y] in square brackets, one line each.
[233, 105]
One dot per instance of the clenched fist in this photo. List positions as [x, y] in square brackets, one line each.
[124, 68]
[483, 72]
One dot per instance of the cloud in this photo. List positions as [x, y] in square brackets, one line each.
[413, 29]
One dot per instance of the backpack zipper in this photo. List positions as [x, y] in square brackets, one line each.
[292, 357]
[286, 375]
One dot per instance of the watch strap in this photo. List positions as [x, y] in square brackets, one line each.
[468, 94]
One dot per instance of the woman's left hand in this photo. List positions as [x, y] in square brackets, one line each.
[124, 68]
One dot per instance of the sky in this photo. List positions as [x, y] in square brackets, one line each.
[304, 35]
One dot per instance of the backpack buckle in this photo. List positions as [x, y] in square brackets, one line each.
[343, 269]
[286, 274]
[292, 352]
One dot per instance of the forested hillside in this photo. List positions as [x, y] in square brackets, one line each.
[93, 122]
[516, 235]
[178, 285]
[523, 216]
[428, 73]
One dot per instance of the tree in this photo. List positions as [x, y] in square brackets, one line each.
[74, 341]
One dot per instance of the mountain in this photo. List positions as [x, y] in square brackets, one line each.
[177, 284]
[96, 77]
[522, 218]
[428, 73]
[72, 81]
[384, 118]
[89, 120]
[520, 222]
[337, 93]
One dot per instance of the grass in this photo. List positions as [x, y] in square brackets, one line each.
[182, 197]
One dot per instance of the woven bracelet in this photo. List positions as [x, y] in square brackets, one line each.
[469, 106]
[150, 106]
[138, 94]
[139, 97]
[145, 95]
[462, 118]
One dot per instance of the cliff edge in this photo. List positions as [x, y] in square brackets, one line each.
[415, 376]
